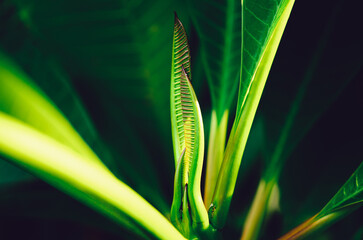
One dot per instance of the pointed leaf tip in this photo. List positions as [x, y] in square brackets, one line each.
[185, 74]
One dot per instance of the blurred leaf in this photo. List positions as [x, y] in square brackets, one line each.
[218, 24]
[104, 42]
[302, 113]
[21, 99]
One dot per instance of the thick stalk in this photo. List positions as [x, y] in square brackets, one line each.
[216, 145]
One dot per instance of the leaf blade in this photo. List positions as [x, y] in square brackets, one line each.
[249, 97]
[349, 195]
[180, 59]
[187, 207]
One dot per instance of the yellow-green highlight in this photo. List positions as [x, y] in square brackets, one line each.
[242, 125]
[73, 173]
[312, 225]
[259, 209]
[188, 208]
[20, 98]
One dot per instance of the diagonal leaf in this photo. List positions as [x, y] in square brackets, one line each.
[261, 21]
[20, 98]
[74, 174]
[349, 195]
[259, 48]
[347, 199]
[288, 139]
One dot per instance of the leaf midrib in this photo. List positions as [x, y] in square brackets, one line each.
[262, 52]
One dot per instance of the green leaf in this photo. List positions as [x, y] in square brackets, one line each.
[346, 200]
[293, 129]
[349, 195]
[262, 28]
[93, 46]
[188, 213]
[85, 180]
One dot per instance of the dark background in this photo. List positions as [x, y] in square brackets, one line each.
[115, 55]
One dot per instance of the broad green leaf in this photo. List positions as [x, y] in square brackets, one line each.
[84, 180]
[262, 23]
[288, 139]
[188, 213]
[85, 43]
[106, 41]
[259, 44]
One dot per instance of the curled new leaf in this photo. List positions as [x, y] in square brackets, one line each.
[188, 213]
[180, 57]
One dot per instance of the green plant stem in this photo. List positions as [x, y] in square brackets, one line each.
[67, 170]
[313, 224]
[257, 211]
[216, 145]
[236, 144]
